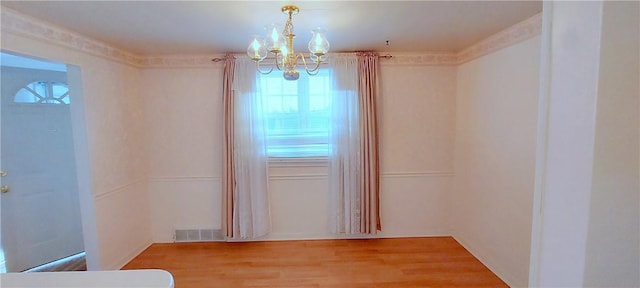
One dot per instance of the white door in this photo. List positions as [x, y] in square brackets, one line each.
[40, 214]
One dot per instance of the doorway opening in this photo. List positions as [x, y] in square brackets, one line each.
[41, 219]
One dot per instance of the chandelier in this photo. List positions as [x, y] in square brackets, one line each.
[280, 44]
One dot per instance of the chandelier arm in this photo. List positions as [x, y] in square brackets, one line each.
[313, 73]
[315, 69]
[260, 70]
[276, 61]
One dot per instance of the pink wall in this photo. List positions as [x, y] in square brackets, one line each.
[184, 125]
[495, 158]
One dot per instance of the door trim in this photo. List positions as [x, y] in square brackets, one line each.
[83, 167]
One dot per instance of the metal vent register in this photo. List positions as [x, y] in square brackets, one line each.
[197, 235]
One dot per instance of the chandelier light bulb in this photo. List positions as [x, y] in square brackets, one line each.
[274, 40]
[319, 45]
[256, 50]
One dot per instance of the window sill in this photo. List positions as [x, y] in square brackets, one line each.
[299, 162]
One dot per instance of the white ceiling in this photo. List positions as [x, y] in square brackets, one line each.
[201, 27]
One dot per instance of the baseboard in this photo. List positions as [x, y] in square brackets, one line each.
[297, 236]
[119, 263]
[328, 236]
[412, 235]
[486, 260]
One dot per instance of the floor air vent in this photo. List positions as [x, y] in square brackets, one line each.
[198, 235]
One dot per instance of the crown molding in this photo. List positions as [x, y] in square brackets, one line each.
[423, 58]
[180, 61]
[19, 24]
[517, 33]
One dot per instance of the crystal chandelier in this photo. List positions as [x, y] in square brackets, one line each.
[280, 44]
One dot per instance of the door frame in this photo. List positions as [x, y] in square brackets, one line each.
[83, 167]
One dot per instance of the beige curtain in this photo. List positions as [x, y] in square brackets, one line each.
[245, 189]
[228, 171]
[353, 157]
[369, 162]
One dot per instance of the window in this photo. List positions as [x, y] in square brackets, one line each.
[297, 114]
[42, 92]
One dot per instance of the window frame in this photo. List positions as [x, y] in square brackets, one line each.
[44, 100]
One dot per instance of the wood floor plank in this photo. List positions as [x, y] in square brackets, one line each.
[400, 262]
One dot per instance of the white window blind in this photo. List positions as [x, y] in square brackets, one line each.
[297, 114]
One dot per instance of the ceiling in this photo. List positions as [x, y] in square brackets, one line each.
[201, 27]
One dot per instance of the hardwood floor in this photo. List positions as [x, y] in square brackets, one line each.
[404, 262]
